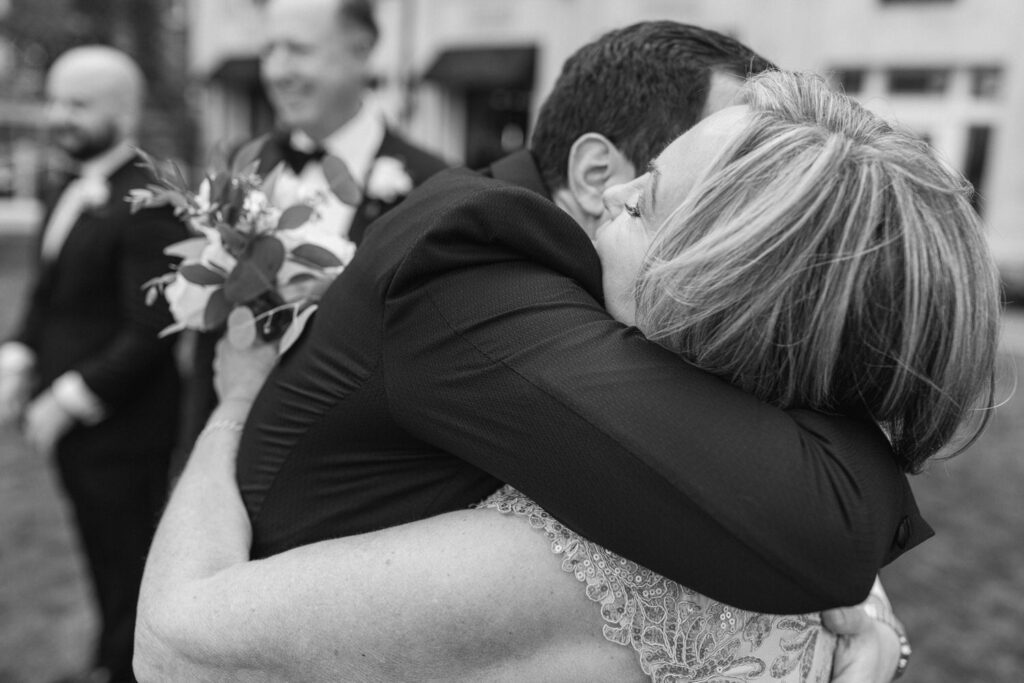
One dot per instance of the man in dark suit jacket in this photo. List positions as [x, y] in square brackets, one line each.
[467, 340]
[465, 345]
[87, 372]
[315, 68]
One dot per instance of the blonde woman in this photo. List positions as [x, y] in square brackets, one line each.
[795, 245]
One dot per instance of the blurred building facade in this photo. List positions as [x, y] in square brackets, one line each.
[465, 77]
[32, 34]
[21, 137]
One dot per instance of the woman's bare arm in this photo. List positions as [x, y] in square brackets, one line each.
[471, 595]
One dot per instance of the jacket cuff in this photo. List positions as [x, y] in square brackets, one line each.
[75, 396]
[16, 358]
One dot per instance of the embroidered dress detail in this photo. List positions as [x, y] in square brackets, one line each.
[679, 634]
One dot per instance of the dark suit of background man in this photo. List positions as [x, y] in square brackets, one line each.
[315, 68]
[87, 373]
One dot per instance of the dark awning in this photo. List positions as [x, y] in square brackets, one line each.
[493, 67]
[239, 71]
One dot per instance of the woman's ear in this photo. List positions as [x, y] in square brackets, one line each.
[595, 164]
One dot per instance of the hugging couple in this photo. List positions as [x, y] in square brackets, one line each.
[637, 403]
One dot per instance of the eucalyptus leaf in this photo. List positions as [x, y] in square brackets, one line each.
[219, 183]
[341, 182]
[234, 198]
[315, 255]
[235, 243]
[301, 277]
[247, 155]
[294, 216]
[267, 253]
[199, 274]
[189, 249]
[217, 310]
[179, 177]
[270, 181]
[241, 332]
[149, 163]
[245, 283]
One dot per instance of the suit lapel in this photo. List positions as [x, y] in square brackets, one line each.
[271, 153]
[92, 218]
[371, 207]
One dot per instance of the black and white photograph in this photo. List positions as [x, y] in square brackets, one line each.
[543, 341]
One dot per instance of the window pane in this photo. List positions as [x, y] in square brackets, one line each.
[909, 2]
[974, 162]
[918, 81]
[850, 81]
[986, 82]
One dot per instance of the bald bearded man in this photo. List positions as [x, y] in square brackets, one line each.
[86, 376]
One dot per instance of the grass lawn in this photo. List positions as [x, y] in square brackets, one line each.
[960, 594]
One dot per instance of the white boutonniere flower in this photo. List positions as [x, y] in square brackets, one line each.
[388, 180]
[94, 191]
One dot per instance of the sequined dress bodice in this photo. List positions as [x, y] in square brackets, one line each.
[678, 634]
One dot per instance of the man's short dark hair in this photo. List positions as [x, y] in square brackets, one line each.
[641, 87]
[359, 13]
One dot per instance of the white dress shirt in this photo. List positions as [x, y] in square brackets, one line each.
[356, 143]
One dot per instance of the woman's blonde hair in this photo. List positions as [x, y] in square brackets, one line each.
[830, 261]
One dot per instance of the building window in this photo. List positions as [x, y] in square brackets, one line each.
[849, 81]
[918, 81]
[986, 82]
[978, 138]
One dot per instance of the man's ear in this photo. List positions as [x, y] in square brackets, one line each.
[595, 164]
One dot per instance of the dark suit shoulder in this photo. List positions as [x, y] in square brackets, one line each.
[133, 175]
[460, 218]
[420, 163]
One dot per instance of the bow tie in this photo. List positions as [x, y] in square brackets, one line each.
[298, 158]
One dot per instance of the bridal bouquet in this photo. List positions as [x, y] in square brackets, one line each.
[258, 268]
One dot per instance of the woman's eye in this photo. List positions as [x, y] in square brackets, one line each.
[632, 210]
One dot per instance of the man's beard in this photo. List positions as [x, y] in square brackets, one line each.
[84, 145]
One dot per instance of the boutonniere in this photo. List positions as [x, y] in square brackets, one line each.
[388, 180]
[94, 191]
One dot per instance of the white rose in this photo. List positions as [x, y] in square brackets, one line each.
[258, 212]
[216, 257]
[321, 233]
[267, 219]
[93, 190]
[388, 180]
[188, 301]
[254, 203]
[202, 196]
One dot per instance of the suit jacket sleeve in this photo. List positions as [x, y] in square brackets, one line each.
[28, 331]
[497, 350]
[136, 347]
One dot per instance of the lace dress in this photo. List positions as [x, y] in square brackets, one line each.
[680, 635]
